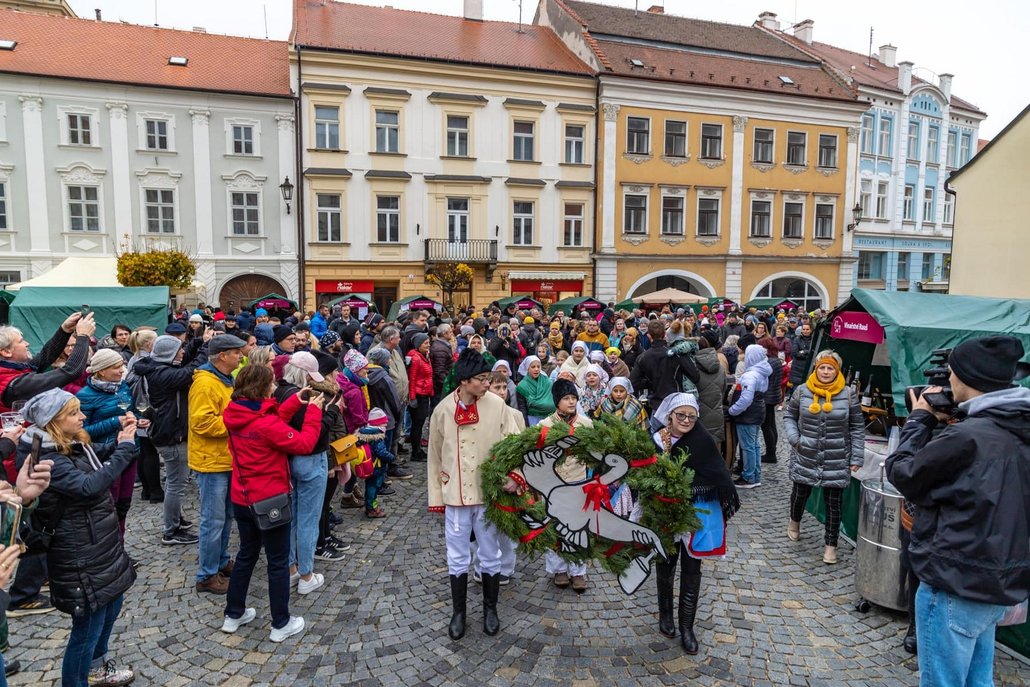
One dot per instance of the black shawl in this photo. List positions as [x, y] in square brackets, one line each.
[712, 480]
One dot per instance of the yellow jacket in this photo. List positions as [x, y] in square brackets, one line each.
[208, 440]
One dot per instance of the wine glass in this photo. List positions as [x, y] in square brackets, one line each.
[16, 407]
[10, 420]
[142, 405]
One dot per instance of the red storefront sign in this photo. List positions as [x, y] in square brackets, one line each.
[857, 326]
[535, 285]
[343, 286]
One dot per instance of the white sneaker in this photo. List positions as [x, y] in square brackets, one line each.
[230, 625]
[295, 626]
[308, 586]
[293, 579]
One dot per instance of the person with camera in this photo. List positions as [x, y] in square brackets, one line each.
[970, 485]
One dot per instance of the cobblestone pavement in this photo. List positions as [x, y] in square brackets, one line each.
[772, 614]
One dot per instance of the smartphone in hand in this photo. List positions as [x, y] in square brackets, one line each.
[37, 446]
[10, 522]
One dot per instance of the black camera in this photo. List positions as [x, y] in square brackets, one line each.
[939, 374]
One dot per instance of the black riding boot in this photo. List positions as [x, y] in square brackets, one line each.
[491, 586]
[665, 575]
[910, 643]
[690, 591]
[459, 589]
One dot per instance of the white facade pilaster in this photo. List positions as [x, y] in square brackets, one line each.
[608, 199]
[287, 224]
[202, 181]
[120, 175]
[737, 188]
[35, 173]
[846, 280]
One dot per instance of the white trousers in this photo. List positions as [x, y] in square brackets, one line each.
[507, 546]
[555, 564]
[460, 523]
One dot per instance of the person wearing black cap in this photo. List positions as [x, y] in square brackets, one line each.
[970, 541]
[282, 339]
[463, 428]
[370, 329]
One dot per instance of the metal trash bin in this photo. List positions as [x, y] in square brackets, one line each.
[879, 575]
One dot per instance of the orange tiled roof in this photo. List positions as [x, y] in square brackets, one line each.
[403, 33]
[862, 69]
[126, 53]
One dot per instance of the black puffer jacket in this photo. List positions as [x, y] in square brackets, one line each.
[801, 358]
[660, 373]
[169, 389]
[774, 394]
[87, 563]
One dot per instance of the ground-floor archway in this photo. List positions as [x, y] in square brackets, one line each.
[239, 291]
[672, 279]
[804, 289]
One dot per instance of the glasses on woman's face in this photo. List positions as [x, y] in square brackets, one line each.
[685, 417]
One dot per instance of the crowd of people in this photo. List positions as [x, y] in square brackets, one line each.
[282, 423]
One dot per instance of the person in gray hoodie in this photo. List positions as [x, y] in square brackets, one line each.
[747, 408]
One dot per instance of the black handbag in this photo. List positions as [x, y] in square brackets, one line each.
[269, 513]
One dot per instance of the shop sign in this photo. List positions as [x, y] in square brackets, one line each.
[343, 286]
[857, 326]
[550, 286]
[423, 304]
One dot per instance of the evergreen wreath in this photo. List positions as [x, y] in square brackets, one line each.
[661, 484]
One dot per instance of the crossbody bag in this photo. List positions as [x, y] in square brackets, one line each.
[269, 513]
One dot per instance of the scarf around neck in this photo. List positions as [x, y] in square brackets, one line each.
[827, 391]
[630, 410]
[537, 393]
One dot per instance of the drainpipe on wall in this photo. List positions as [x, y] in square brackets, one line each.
[299, 200]
[949, 257]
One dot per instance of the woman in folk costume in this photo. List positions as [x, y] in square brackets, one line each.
[577, 362]
[534, 391]
[621, 403]
[464, 427]
[825, 429]
[619, 367]
[477, 344]
[688, 442]
[546, 355]
[594, 389]
[566, 401]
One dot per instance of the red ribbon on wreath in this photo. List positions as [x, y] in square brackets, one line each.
[596, 494]
[533, 534]
[643, 462]
[665, 499]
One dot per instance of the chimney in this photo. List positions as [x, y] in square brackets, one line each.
[656, 9]
[768, 20]
[888, 55]
[946, 84]
[98, 14]
[803, 31]
[905, 76]
[474, 10]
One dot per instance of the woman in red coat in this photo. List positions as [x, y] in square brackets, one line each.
[420, 392]
[259, 441]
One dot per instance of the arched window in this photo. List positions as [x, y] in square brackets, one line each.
[671, 281]
[801, 291]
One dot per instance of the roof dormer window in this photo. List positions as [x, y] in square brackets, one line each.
[7, 44]
[178, 61]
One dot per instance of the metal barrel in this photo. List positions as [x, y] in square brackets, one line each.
[879, 576]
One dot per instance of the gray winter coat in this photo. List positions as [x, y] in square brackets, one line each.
[823, 447]
[710, 389]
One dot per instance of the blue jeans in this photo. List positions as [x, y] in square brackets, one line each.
[956, 639]
[215, 522]
[276, 543]
[748, 435]
[308, 475]
[176, 471]
[87, 643]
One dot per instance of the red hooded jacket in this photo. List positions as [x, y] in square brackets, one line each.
[260, 442]
[420, 376]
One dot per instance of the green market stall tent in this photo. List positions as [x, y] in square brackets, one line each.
[413, 303]
[521, 303]
[39, 310]
[571, 305]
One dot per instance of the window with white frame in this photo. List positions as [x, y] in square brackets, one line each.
[634, 212]
[8, 277]
[457, 136]
[574, 140]
[885, 137]
[80, 129]
[761, 218]
[866, 139]
[327, 127]
[964, 150]
[675, 138]
[913, 140]
[870, 265]
[708, 216]
[928, 205]
[926, 273]
[387, 131]
[824, 220]
[458, 220]
[827, 150]
[902, 271]
[711, 141]
[796, 143]
[793, 220]
[909, 205]
[949, 208]
[764, 139]
[246, 213]
[159, 209]
[865, 197]
[242, 139]
[638, 135]
[4, 222]
[882, 188]
[933, 135]
[573, 224]
[522, 223]
[156, 134]
[388, 219]
[673, 215]
[523, 143]
[83, 208]
[952, 145]
[330, 217]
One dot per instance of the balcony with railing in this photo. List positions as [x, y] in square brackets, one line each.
[472, 252]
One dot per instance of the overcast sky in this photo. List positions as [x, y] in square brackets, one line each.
[984, 44]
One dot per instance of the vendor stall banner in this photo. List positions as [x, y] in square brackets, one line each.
[857, 326]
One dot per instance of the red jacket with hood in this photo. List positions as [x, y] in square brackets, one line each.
[420, 376]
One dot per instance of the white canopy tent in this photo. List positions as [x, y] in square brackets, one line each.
[670, 296]
[77, 271]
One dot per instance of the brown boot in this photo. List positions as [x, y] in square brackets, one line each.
[216, 584]
[579, 583]
[561, 580]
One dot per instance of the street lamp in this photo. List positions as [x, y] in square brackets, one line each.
[856, 214]
[286, 188]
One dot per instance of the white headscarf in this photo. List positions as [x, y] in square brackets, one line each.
[580, 344]
[671, 403]
[599, 371]
[526, 362]
[620, 381]
[501, 363]
[597, 356]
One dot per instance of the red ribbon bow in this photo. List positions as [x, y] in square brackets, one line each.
[596, 493]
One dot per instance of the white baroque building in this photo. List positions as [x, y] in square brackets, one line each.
[148, 137]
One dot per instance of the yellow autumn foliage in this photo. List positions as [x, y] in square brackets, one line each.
[171, 268]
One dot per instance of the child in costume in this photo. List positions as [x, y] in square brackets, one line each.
[373, 435]
[592, 393]
[621, 403]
